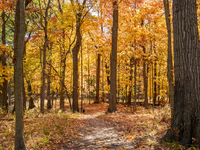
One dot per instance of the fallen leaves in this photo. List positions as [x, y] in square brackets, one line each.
[56, 130]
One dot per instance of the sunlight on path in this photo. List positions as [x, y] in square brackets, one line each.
[97, 134]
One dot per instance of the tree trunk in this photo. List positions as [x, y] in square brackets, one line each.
[4, 64]
[145, 80]
[130, 86]
[185, 125]
[44, 57]
[135, 85]
[19, 125]
[31, 103]
[97, 78]
[170, 67]
[49, 106]
[62, 84]
[89, 77]
[155, 84]
[112, 103]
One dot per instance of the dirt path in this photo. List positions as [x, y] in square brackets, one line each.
[97, 134]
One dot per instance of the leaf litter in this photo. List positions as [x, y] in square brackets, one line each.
[91, 130]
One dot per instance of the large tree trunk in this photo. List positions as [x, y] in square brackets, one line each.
[169, 58]
[112, 103]
[19, 125]
[4, 64]
[97, 78]
[185, 126]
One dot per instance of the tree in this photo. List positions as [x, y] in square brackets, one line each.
[19, 126]
[44, 56]
[185, 125]
[4, 64]
[169, 58]
[113, 77]
[79, 17]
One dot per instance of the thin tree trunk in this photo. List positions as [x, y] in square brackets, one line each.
[44, 58]
[135, 85]
[97, 78]
[49, 106]
[155, 83]
[31, 103]
[4, 64]
[112, 103]
[103, 94]
[145, 80]
[170, 67]
[89, 77]
[62, 84]
[81, 78]
[131, 77]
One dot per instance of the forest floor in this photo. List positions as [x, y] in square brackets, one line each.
[90, 130]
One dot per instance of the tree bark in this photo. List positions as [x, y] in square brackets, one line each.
[169, 57]
[185, 125]
[112, 103]
[19, 125]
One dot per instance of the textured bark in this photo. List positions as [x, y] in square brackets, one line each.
[75, 82]
[75, 62]
[19, 125]
[97, 78]
[169, 57]
[185, 125]
[112, 103]
[4, 64]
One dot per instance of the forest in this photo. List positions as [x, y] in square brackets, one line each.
[99, 74]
